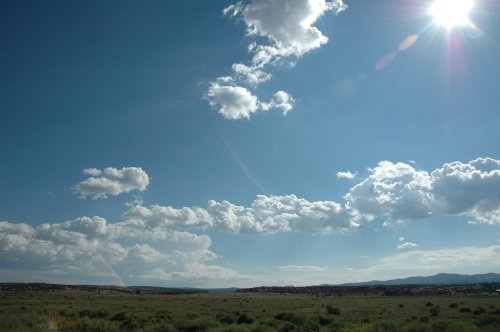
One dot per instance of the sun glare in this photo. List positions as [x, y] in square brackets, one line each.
[451, 13]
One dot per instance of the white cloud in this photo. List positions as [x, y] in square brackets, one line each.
[397, 191]
[77, 250]
[250, 75]
[232, 102]
[346, 175]
[236, 102]
[268, 214]
[303, 268]
[111, 181]
[407, 245]
[281, 100]
[472, 188]
[288, 27]
[168, 217]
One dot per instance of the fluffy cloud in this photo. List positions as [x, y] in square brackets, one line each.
[286, 24]
[397, 191]
[250, 75]
[346, 175]
[269, 214]
[288, 27]
[157, 216]
[281, 100]
[80, 248]
[236, 102]
[111, 181]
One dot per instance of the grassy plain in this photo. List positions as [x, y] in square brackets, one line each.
[78, 310]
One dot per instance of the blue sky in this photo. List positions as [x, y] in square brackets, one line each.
[223, 143]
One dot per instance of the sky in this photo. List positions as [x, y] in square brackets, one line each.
[194, 143]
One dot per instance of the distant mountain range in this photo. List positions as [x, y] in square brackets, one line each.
[438, 279]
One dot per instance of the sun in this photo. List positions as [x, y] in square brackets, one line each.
[451, 13]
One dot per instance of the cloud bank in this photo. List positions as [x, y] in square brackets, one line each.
[287, 27]
[165, 243]
[111, 181]
[399, 192]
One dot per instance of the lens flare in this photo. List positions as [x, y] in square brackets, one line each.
[451, 13]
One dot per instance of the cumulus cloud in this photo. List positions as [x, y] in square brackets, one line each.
[346, 175]
[78, 249]
[168, 217]
[281, 100]
[287, 27]
[235, 102]
[398, 191]
[268, 214]
[407, 245]
[111, 181]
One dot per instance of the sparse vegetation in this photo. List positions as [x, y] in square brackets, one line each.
[109, 310]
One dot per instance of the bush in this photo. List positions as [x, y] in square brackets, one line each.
[465, 309]
[244, 319]
[200, 324]
[453, 305]
[287, 316]
[119, 316]
[428, 304]
[332, 310]
[226, 318]
[441, 327]
[488, 321]
[424, 319]
[324, 320]
[495, 312]
[434, 311]
[386, 327]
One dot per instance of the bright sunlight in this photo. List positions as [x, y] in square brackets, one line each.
[451, 13]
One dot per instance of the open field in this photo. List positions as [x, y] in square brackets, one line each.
[111, 310]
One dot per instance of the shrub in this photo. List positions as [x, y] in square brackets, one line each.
[67, 313]
[288, 316]
[332, 310]
[244, 319]
[424, 319]
[489, 321]
[453, 305]
[226, 318]
[401, 305]
[386, 327]
[465, 309]
[324, 320]
[495, 312]
[428, 304]
[200, 324]
[161, 316]
[441, 327]
[119, 316]
[434, 311]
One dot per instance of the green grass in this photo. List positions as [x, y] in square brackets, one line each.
[72, 310]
